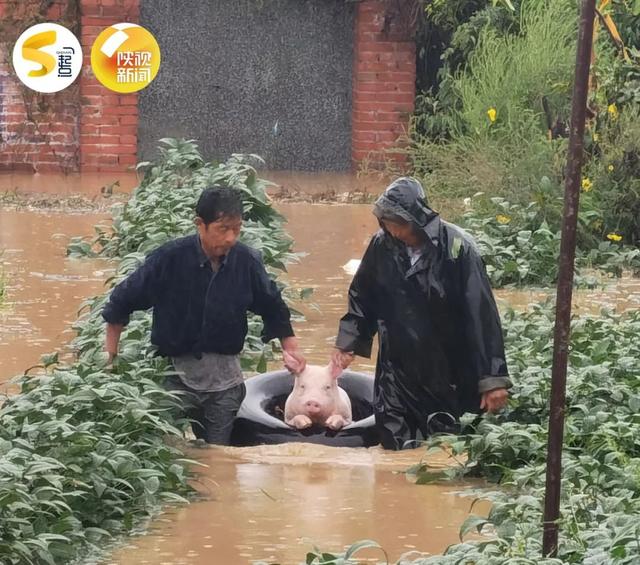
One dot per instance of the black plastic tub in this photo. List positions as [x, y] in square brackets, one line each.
[261, 417]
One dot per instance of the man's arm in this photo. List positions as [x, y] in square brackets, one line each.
[113, 338]
[137, 292]
[269, 305]
[359, 325]
[276, 317]
[483, 332]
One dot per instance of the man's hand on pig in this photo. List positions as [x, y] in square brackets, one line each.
[342, 358]
[494, 400]
[293, 359]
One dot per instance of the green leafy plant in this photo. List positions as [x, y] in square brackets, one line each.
[610, 202]
[319, 557]
[488, 126]
[497, 123]
[83, 455]
[520, 245]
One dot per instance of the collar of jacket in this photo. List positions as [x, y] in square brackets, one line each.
[432, 229]
[203, 258]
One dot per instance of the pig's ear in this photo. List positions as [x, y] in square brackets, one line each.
[335, 369]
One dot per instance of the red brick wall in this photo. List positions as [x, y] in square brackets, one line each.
[89, 128]
[84, 127]
[38, 132]
[109, 121]
[384, 76]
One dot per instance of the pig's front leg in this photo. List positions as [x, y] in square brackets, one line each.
[336, 422]
[300, 422]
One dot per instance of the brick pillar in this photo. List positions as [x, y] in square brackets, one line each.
[384, 76]
[108, 121]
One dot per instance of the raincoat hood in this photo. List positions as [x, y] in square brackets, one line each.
[405, 198]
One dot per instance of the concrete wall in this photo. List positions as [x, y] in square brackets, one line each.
[271, 77]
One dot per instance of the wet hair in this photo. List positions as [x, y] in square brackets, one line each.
[217, 202]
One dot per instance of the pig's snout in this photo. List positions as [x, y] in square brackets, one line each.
[312, 407]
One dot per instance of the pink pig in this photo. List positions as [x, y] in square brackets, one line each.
[316, 398]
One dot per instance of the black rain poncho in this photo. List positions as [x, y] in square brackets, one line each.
[438, 327]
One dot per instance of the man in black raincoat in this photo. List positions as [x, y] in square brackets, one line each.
[422, 287]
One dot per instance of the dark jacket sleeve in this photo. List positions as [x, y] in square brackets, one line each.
[359, 324]
[482, 327]
[139, 291]
[269, 305]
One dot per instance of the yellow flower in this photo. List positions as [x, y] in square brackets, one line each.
[614, 237]
[502, 219]
[613, 111]
[595, 137]
[587, 185]
[493, 114]
[610, 168]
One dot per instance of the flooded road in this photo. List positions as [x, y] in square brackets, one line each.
[619, 295]
[44, 288]
[269, 503]
[275, 503]
[284, 182]
[59, 185]
[331, 236]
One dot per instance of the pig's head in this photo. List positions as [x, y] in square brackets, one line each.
[315, 391]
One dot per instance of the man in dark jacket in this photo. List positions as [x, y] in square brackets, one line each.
[422, 287]
[200, 288]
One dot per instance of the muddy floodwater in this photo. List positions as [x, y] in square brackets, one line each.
[274, 503]
[331, 236]
[92, 184]
[269, 503]
[44, 288]
[59, 185]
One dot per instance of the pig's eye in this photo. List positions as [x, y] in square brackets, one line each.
[327, 387]
[301, 386]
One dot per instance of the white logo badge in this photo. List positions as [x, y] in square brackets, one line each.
[47, 57]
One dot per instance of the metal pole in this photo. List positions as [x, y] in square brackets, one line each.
[565, 281]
